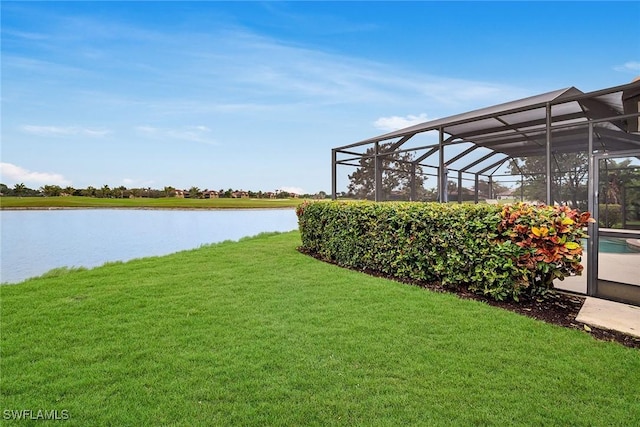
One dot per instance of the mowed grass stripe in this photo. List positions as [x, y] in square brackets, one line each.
[255, 333]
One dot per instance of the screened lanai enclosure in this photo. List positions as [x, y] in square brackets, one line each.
[563, 147]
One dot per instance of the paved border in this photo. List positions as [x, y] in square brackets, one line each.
[610, 315]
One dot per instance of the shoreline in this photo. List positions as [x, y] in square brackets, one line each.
[142, 208]
[77, 202]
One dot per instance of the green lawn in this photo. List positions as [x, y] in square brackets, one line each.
[255, 333]
[161, 203]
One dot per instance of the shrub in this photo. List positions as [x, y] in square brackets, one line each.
[502, 252]
[549, 239]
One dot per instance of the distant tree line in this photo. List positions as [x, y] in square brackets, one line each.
[121, 192]
[619, 181]
[397, 169]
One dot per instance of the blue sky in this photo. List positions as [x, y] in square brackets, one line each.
[253, 95]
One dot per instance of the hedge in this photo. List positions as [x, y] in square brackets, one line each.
[499, 251]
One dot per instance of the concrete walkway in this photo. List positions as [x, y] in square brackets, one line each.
[615, 316]
[610, 315]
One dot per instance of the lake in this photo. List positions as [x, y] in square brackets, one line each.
[33, 242]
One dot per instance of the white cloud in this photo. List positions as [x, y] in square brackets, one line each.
[296, 190]
[56, 131]
[631, 66]
[260, 68]
[13, 174]
[197, 133]
[396, 122]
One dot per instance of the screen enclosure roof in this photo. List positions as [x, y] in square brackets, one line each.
[521, 128]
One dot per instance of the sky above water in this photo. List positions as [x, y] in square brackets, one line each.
[253, 95]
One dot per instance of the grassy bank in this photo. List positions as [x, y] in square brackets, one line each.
[142, 203]
[254, 333]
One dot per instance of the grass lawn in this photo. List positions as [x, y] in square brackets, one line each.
[141, 202]
[254, 333]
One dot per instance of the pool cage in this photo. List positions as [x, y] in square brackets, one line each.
[559, 147]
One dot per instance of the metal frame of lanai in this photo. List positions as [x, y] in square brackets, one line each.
[478, 143]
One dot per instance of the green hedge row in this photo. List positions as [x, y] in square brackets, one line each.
[502, 252]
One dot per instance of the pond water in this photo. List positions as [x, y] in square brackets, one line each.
[34, 242]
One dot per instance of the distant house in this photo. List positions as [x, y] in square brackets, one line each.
[182, 194]
[210, 194]
[240, 195]
[270, 194]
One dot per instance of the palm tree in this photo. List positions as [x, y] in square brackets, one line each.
[89, 191]
[194, 193]
[169, 191]
[51, 190]
[19, 189]
[105, 191]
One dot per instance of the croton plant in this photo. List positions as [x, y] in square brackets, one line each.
[550, 239]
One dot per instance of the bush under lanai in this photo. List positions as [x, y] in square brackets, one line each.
[503, 252]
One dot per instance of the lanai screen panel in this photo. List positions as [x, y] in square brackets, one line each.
[554, 122]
